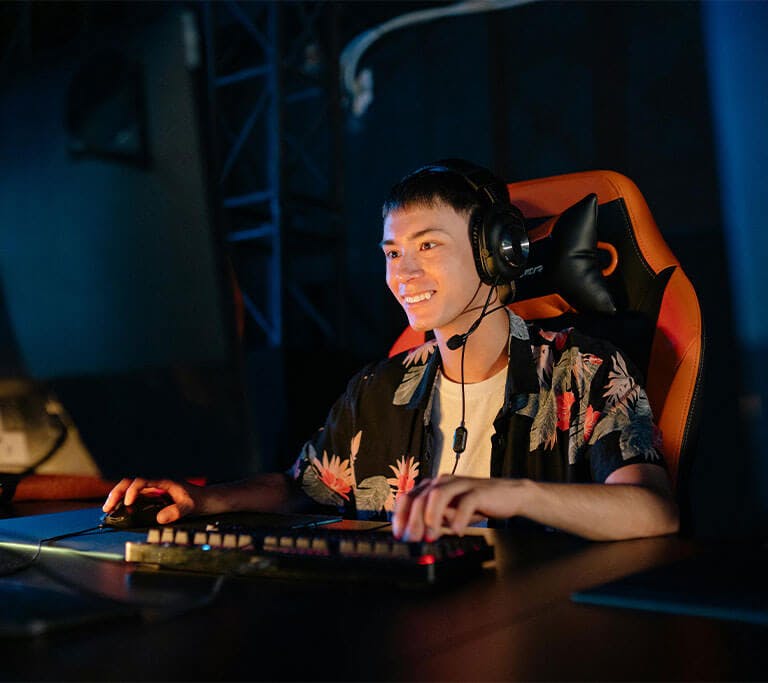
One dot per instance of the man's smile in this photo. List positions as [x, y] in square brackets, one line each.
[416, 298]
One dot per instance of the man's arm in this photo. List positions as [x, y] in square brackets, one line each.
[272, 492]
[635, 501]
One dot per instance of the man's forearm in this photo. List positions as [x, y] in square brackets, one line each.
[271, 492]
[599, 511]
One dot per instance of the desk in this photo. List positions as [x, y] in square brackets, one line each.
[516, 622]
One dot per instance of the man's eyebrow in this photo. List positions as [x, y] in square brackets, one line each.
[415, 235]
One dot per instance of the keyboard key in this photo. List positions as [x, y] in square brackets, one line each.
[320, 546]
[364, 547]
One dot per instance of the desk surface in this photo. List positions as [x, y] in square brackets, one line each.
[516, 622]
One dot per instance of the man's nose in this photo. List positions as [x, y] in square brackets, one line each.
[408, 267]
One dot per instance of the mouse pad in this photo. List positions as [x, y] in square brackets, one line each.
[107, 543]
[728, 583]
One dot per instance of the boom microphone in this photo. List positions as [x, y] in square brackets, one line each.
[458, 340]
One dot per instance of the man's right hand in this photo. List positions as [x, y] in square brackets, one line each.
[187, 498]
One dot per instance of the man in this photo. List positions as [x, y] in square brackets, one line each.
[490, 419]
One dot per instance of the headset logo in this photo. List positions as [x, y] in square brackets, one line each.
[532, 271]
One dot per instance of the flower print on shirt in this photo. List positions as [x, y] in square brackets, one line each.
[335, 473]
[627, 411]
[416, 363]
[563, 384]
[621, 391]
[590, 419]
[420, 354]
[564, 402]
[406, 473]
[372, 494]
[557, 338]
[328, 481]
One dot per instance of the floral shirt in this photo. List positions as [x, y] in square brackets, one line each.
[574, 411]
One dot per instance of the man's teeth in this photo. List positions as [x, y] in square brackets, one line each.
[418, 297]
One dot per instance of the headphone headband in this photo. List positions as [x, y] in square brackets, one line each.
[497, 231]
[480, 179]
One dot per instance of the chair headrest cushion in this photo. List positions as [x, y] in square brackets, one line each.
[568, 262]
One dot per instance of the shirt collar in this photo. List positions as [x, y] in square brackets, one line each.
[415, 389]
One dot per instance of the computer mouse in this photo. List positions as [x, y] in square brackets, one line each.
[140, 514]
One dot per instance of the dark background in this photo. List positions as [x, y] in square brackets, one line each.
[671, 94]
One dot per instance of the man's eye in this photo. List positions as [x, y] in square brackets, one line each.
[389, 255]
[428, 245]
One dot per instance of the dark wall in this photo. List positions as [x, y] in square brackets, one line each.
[538, 90]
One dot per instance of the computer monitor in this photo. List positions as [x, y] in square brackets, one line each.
[114, 286]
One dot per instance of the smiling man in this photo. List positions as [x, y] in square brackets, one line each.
[492, 418]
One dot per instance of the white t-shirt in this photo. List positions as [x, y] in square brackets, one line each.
[483, 401]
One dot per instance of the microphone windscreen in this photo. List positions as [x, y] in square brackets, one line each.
[456, 341]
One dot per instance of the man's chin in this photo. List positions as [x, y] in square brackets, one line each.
[419, 325]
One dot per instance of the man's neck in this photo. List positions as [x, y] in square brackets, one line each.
[486, 350]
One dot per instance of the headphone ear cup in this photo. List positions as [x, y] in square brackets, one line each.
[481, 255]
[497, 231]
[502, 244]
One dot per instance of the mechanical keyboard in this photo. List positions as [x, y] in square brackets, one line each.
[315, 553]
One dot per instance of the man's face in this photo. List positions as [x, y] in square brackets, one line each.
[430, 268]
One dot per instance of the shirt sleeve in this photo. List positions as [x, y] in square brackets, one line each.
[324, 467]
[620, 419]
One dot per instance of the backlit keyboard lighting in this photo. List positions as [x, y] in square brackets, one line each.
[311, 553]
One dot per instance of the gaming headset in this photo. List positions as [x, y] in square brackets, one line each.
[497, 231]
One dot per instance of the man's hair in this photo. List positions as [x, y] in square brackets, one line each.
[428, 188]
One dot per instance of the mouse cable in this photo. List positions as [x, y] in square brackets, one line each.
[168, 610]
[28, 562]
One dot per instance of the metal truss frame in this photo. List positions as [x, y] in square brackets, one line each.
[274, 78]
